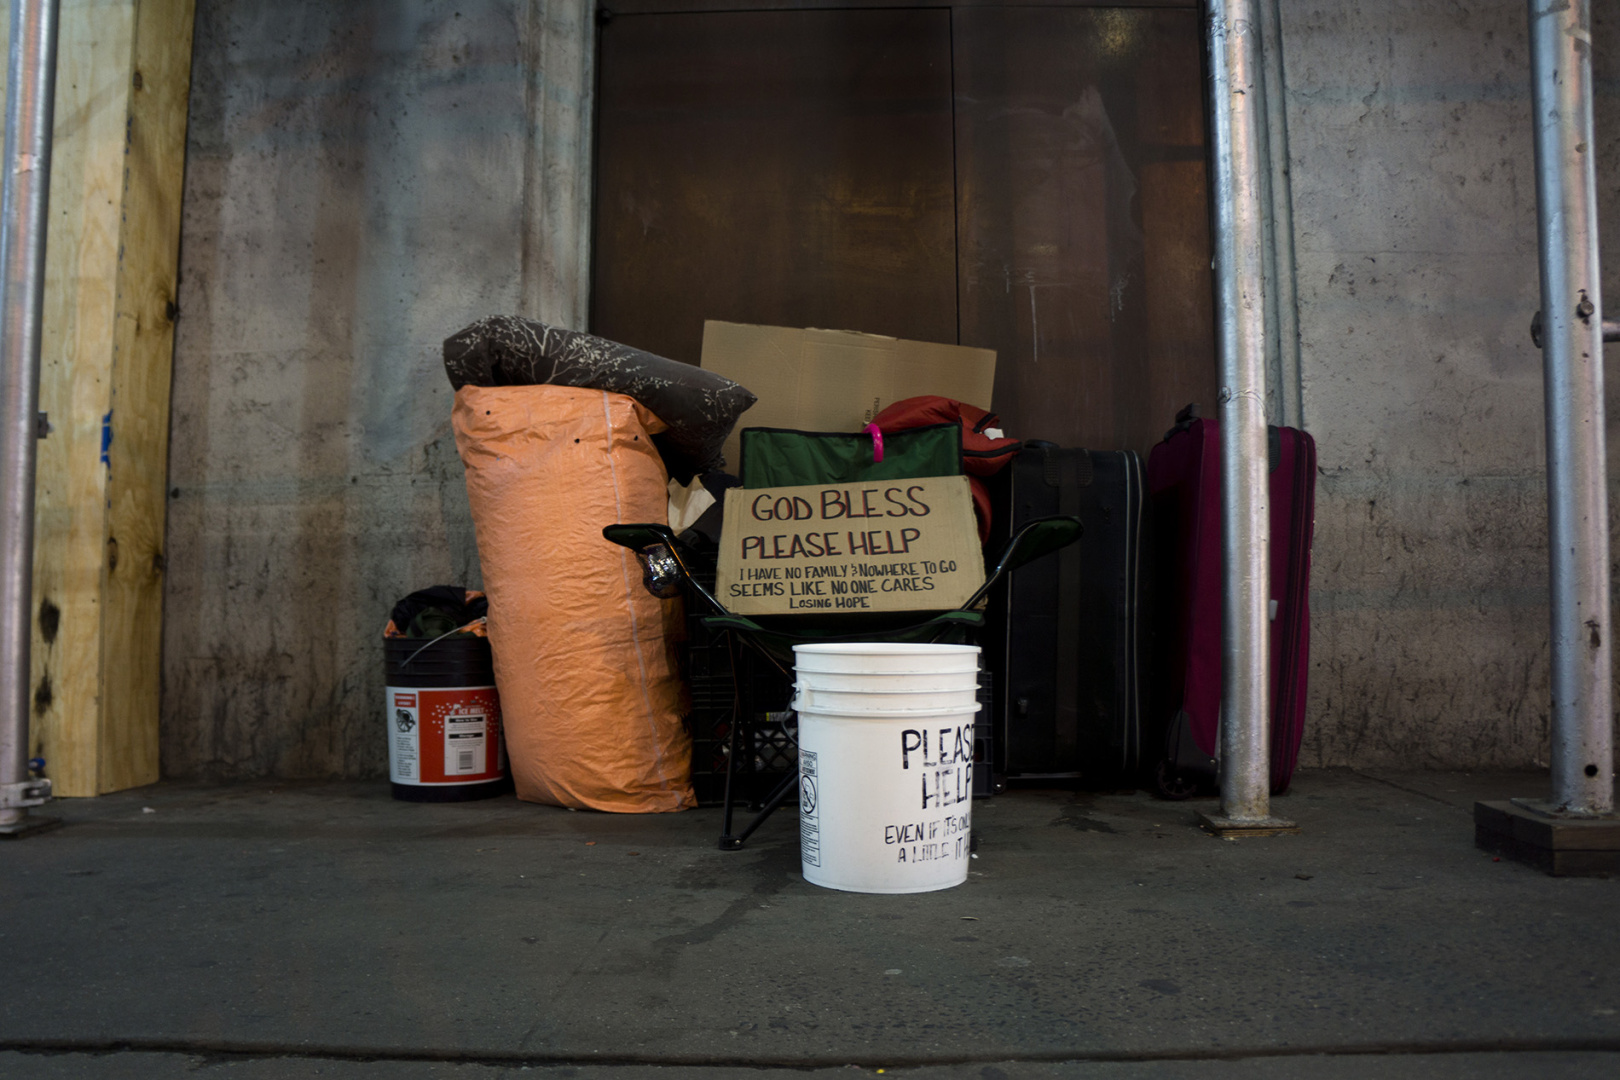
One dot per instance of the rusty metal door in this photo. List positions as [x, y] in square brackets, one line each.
[1083, 218]
[783, 167]
[1026, 179]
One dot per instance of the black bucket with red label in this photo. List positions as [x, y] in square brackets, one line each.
[444, 720]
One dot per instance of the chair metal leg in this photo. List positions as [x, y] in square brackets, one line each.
[788, 786]
[743, 672]
[742, 701]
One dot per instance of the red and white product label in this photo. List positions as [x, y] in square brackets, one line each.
[444, 736]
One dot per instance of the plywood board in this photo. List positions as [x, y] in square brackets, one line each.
[94, 54]
[138, 410]
[123, 71]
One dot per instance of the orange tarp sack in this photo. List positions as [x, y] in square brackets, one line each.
[591, 695]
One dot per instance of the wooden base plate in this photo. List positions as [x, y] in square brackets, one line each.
[1227, 828]
[1561, 846]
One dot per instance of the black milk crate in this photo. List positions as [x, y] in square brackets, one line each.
[767, 751]
[987, 779]
[767, 746]
[774, 748]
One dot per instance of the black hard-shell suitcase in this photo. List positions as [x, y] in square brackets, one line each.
[1069, 693]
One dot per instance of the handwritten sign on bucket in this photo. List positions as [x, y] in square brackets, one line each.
[888, 545]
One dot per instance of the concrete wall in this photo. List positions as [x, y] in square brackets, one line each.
[366, 177]
[363, 179]
[1414, 188]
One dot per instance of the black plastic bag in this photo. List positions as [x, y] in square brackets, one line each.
[699, 407]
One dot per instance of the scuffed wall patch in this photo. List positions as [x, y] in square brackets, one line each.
[361, 181]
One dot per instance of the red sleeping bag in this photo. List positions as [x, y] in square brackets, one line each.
[982, 454]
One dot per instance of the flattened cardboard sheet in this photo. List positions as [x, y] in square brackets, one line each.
[837, 380]
[892, 545]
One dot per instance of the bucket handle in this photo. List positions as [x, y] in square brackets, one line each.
[434, 642]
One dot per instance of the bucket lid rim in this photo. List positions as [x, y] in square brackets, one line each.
[885, 648]
[898, 671]
[886, 714]
[894, 690]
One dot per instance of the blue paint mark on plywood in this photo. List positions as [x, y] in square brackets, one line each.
[106, 438]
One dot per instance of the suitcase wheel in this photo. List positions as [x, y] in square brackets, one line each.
[1170, 783]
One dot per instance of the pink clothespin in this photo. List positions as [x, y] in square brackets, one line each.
[877, 442]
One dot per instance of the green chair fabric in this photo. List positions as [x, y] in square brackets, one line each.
[779, 457]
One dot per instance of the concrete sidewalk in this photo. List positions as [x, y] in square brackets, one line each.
[326, 930]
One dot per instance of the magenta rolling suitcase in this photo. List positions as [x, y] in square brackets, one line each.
[1184, 505]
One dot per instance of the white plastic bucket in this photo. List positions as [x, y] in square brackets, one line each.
[886, 793]
[876, 813]
[859, 702]
[965, 679]
[881, 656]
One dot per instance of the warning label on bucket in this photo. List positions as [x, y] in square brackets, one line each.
[809, 810]
[448, 735]
[464, 742]
[402, 737]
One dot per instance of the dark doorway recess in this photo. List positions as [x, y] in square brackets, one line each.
[1029, 179]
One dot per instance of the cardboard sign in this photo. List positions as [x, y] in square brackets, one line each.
[889, 545]
[837, 380]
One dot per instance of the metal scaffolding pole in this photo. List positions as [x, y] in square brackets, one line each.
[1576, 831]
[30, 89]
[1572, 358]
[1287, 396]
[1237, 101]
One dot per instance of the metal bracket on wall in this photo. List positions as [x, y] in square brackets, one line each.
[1611, 329]
[25, 793]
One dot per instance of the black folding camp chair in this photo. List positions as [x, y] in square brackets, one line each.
[666, 574]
